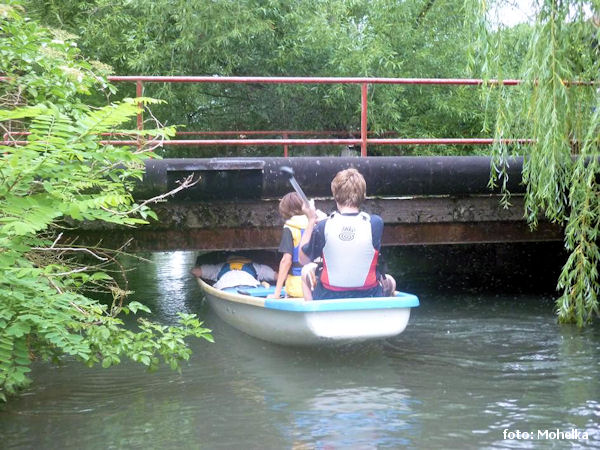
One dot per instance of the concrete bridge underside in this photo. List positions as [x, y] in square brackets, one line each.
[423, 201]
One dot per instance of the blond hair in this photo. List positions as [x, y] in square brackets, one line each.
[349, 188]
[290, 205]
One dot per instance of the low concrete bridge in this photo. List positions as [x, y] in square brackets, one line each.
[234, 204]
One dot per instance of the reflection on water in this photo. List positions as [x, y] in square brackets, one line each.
[176, 284]
[325, 398]
[359, 417]
[469, 366]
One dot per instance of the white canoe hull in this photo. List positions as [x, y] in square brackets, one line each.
[297, 322]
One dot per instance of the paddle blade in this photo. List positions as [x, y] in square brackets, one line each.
[287, 170]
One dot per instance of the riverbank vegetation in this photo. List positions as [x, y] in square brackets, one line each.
[60, 176]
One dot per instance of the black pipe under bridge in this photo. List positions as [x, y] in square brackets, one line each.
[234, 204]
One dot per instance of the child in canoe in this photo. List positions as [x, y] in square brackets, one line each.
[236, 272]
[349, 242]
[290, 209]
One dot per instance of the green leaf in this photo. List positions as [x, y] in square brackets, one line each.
[97, 276]
[136, 306]
[18, 329]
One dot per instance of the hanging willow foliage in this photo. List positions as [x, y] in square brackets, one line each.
[557, 106]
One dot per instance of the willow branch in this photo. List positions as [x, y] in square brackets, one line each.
[70, 249]
[70, 272]
[186, 183]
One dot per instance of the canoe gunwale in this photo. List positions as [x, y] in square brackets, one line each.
[305, 323]
[401, 300]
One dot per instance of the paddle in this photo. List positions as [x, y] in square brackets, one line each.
[290, 173]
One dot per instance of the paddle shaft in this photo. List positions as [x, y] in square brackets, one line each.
[298, 189]
[290, 173]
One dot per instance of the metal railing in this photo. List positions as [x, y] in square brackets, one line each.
[364, 140]
[284, 135]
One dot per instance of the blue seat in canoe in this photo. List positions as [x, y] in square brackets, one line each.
[259, 291]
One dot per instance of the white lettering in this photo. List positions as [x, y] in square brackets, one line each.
[571, 435]
[517, 434]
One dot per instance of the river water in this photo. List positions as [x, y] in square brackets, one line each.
[475, 368]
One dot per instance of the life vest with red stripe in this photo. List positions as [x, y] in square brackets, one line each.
[349, 258]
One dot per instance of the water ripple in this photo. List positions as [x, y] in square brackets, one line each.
[468, 367]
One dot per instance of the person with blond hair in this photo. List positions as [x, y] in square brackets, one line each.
[348, 242]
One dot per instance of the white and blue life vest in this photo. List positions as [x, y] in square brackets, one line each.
[349, 258]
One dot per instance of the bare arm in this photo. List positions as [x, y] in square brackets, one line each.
[207, 271]
[311, 213]
[284, 269]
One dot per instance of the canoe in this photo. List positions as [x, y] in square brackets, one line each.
[298, 322]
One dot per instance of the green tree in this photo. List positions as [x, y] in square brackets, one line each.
[558, 107]
[380, 38]
[63, 174]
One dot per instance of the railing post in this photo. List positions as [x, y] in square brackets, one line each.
[363, 119]
[285, 146]
[139, 91]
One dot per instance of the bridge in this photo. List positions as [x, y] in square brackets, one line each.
[234, 204]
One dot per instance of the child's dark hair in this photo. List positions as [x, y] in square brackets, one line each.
[290, 205]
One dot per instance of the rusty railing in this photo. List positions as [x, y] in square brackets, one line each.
[364, 140]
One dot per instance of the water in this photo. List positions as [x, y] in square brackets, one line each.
[471, 368]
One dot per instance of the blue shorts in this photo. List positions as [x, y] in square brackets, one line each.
[322, 293]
